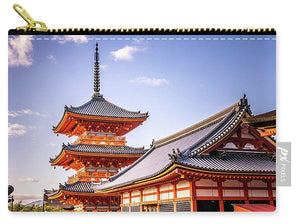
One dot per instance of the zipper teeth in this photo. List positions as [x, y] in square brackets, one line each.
[149, 31]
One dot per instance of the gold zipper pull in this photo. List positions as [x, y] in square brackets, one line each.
[31, 24]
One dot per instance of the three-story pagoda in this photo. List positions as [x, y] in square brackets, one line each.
[100, 150]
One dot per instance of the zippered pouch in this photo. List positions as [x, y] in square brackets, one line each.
[141, 120]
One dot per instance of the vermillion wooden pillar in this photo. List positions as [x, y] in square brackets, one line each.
[174, 195]
[246, 192]
[129, 197]
[193, 196]
[121, 202]
[270, 192]
[220, 193]
[141, 200]
[158, 197]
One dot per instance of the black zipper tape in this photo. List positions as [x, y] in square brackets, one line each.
[145, 31]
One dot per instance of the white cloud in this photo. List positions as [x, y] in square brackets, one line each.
[103, 67]
[24, 112]
[52, 144]
[125, 53]
[16, 129]
[149, 81]
[78, 39]
[52, 58]
[20, 51]
[27, 180]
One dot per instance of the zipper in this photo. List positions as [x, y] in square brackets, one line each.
[39, 28]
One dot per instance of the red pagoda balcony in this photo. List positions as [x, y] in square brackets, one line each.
[87, 176]
[101, 138]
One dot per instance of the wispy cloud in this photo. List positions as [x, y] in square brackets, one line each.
[52, 58]
[52, 144]
[78, 39]
[126, 53]
[24, 112]
[149, 81]
[103, 67]
[20, 51]
[27, 180]
[16, 129]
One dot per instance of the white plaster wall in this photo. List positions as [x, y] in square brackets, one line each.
[150, 197]
[166, 187]
[233, 193]
[258, 193]
[149, 190]
[206, 182]
[165, 196]
[135, 199]
[232, 183]
[183, 194]
[207, 192]
[134, 193]
[182, 184]
[257, 183]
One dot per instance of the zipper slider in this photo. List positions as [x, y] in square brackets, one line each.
[31, 24]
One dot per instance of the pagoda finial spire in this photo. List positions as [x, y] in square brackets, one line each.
[96, 74]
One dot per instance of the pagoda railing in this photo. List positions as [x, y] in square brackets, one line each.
[87, 176]
[101, 138]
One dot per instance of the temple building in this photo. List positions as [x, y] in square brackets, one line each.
[213, 165]
[224, 163]
[99, 152]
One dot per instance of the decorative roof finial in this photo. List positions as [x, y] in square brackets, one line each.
[96, 74]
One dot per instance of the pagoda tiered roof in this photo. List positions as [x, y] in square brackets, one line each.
[99, 107]
[95, 151]
[77, 187]
[199, 148]
[100, 149]
[81, 187]
[100, 115]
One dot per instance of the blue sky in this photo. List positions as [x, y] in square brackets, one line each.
[180, 80]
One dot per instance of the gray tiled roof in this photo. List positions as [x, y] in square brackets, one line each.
[105, 149]
[98, 106]
[233, 162]
[156, 159]
[83, 187]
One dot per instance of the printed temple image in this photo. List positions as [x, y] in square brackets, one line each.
[160, 125]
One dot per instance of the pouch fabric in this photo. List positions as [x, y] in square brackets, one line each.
[159, 120]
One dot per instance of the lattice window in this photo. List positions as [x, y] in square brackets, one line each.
[166, 207]
[183, 206]
[125, 209]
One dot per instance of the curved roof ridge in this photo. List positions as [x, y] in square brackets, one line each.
[213, 132]
[98, 106]
[228, 125]
[196, 127]
[101, 149]
[78, 186]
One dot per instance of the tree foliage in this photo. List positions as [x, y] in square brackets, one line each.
[18, 207]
